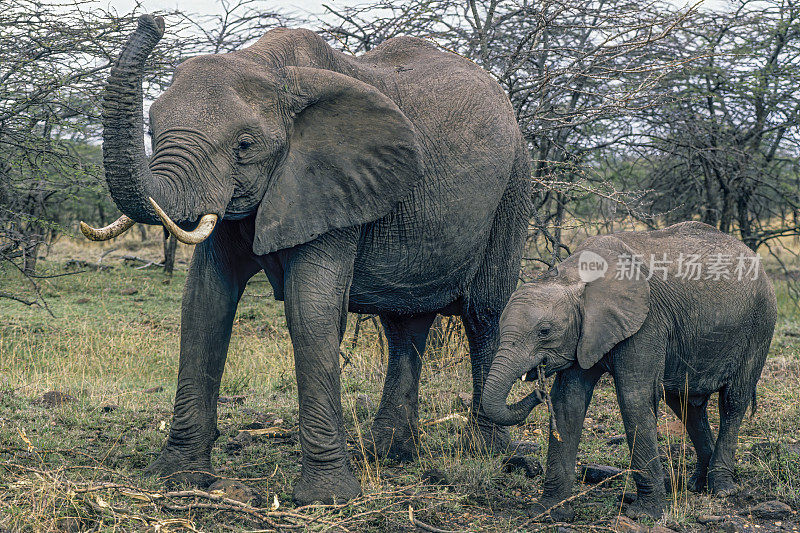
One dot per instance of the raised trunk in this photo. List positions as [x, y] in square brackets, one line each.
[126, 166]
[507, 367]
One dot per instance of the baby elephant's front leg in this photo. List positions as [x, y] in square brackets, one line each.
[638, 414]
[571, 394]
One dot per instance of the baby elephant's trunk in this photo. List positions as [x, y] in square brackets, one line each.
[506, 369]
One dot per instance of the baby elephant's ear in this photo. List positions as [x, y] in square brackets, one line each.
[352, 156]
[614, 305]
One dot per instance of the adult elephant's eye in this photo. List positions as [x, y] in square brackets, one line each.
[244, 143]
[544, 331]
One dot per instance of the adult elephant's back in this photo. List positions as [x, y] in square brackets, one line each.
[425, 253]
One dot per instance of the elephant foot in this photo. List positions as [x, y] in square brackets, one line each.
[722, 484]
[545, 509]
[329, 487]
[651, 505]
[697, 482]
[174, 468]
[398, 441]
[483, 437]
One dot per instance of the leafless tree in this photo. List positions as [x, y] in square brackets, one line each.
[725, 149]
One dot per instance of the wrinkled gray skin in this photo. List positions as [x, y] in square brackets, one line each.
[694, 337]
[393, 183]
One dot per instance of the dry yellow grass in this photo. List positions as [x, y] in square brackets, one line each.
[108, 344]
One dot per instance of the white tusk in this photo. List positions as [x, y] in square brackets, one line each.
[115, 229]
[196, 236]
[524, 377]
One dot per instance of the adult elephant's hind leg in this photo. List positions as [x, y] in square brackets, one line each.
[217, 276]
[395, 430]
[317, 282]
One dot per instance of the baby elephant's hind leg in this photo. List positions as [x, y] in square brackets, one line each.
[734, 399]
[694, 416]
[732, 408]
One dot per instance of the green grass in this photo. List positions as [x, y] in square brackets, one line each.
[107, 345]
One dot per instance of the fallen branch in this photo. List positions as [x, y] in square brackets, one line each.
[10, 296]
[422, 525]
[136, 258]
[275, 432]
[453, 416]
[250, 511]
[567, 500]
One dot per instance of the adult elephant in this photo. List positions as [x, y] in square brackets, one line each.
[396, 183]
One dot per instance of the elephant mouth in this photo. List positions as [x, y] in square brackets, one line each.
[533, 374]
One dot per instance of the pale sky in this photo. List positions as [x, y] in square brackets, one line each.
[212, 6]
[300, 7]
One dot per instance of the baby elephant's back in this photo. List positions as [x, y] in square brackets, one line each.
[711, 292]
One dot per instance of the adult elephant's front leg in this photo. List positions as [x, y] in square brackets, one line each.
[217, 276]
[317, 282]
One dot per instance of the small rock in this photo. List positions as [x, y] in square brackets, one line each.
[241, 440]
[55, 398]
[129, 291]
[771, 510]
[597, 473]
[232, 399]
[623, 524]
[732, 525]
[82, 301]
[709, 519]
[528, 465]
[524, 447]
[109, 408]
[465, 400]
[616, 440]
[236, 491]
[364, 406]
[435, 476]
[564, 529]
[152, 390]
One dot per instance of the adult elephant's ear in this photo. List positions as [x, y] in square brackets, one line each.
[352, 156]
[614, 305]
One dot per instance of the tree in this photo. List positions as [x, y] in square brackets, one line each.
[51, 77]
[725, 148]
[575, 73]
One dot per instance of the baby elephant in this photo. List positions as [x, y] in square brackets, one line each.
[682, 312]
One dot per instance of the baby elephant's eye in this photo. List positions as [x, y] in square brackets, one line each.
[244, 145]
[544, 331]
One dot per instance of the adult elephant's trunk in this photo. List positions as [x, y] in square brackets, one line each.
[507, 367]
[126, 166]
